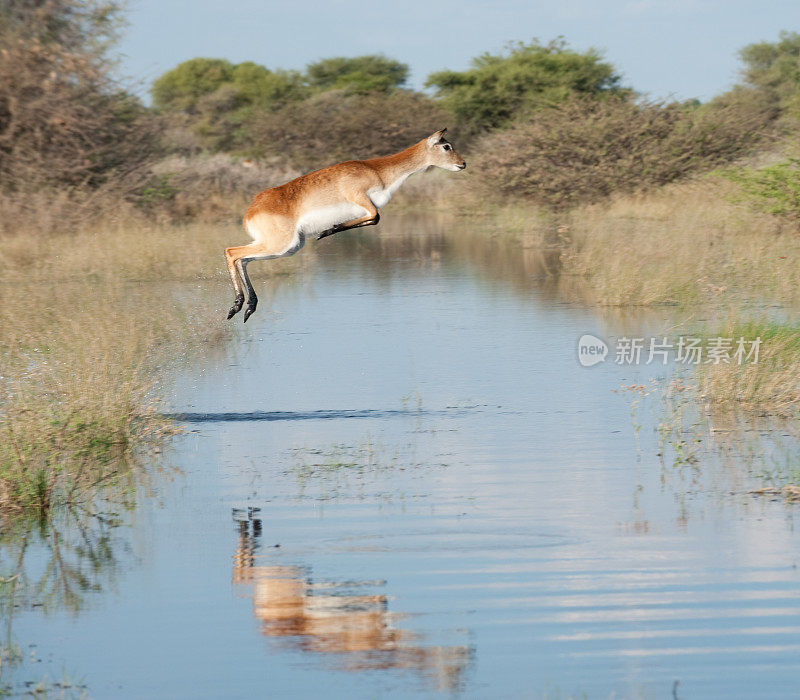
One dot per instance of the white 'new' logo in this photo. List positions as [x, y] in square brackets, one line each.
[591, 350]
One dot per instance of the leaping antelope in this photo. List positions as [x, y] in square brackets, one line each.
[324, 202]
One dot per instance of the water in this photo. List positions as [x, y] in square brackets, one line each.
[399, 481]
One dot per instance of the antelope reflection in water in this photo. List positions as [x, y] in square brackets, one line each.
[331, 618]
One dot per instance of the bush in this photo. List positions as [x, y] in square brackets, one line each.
[774, 189]
[217, 186]
[333, 127]
[205, 101]
[585, 149]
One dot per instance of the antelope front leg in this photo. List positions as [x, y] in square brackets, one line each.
[372, 218]
[347, 226]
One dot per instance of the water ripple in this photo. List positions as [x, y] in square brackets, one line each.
[235, 416]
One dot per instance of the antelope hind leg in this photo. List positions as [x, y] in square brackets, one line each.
[232, 255]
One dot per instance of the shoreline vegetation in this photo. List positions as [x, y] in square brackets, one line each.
[88, 334]
[637, 203]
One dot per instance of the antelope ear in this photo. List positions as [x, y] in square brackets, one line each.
[433, 139]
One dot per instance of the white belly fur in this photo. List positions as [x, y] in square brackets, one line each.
[319, 220]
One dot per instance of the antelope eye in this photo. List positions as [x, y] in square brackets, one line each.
[447, 147]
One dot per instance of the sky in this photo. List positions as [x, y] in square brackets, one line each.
[664, 48]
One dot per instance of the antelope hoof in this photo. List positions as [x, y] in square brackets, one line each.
[251, 307]
[237, 306]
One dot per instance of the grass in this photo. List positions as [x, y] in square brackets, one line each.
[73, 410]
[772, 384]
[91, 323]
[682, 245]
[692, 247]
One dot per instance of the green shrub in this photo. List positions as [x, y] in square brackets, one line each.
[774, 189]
[156, 191]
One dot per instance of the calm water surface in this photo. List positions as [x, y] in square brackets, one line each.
[399, 481]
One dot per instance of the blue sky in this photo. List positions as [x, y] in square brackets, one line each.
[680, 48]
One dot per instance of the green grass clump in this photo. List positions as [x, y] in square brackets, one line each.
[774, 189]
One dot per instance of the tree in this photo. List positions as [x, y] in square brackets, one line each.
[361, 75]
[185, 87]
[64, 121]
[85, 26]
[255, 85]
[773, 68]
[208, 99]
[527, 76]
[180, 88]
[214, 102]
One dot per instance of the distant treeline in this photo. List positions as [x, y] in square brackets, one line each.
[539, 120]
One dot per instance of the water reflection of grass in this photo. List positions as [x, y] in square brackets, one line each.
[49, 565]
[64, 688]
[338, 457]
[53, 564]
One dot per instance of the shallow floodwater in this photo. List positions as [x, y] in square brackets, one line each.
[399, 481]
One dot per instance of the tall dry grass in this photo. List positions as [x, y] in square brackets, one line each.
[683, 245]
[91, 323]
